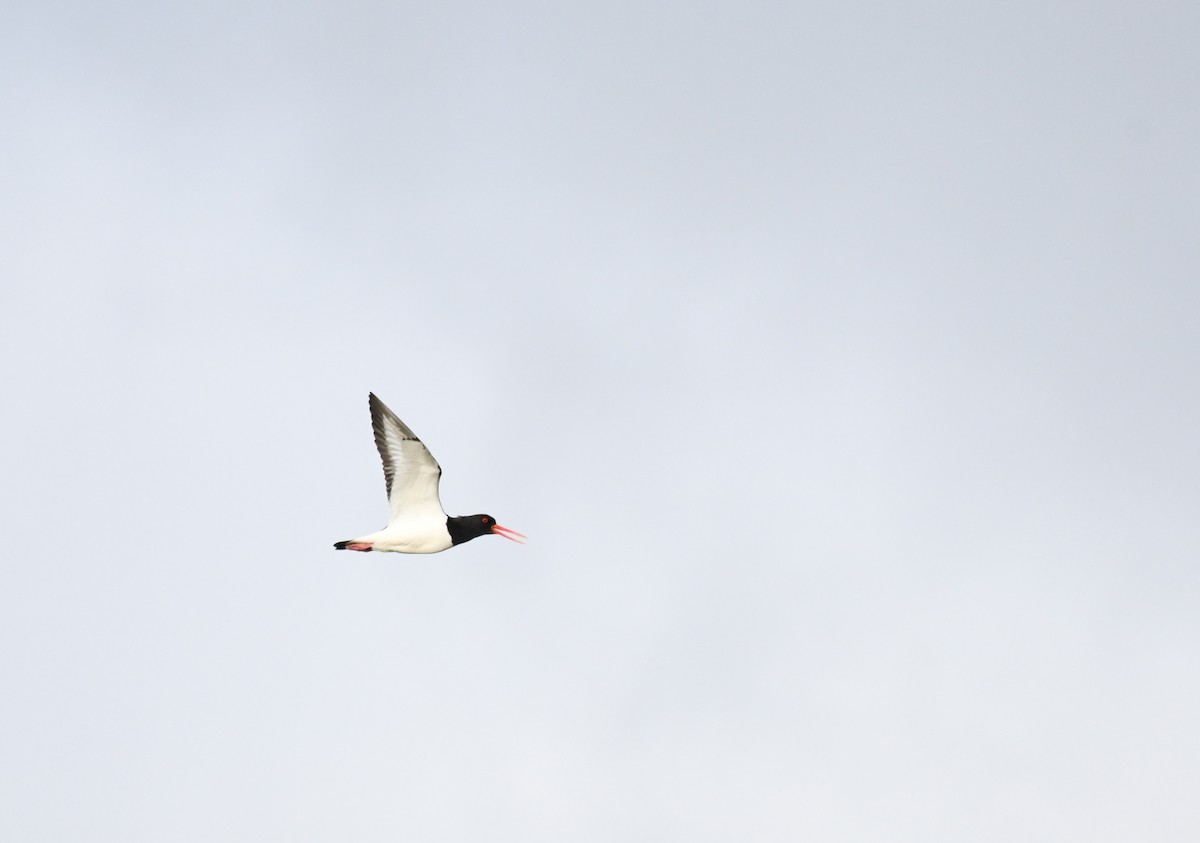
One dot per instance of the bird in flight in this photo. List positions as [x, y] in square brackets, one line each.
[418, 523]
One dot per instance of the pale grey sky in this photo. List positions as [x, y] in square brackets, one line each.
[840, 361]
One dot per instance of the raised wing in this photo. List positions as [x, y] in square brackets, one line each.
[411, 472]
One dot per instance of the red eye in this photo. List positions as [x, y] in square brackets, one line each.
[485, 520]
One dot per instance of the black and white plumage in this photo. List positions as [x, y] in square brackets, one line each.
[418, 523]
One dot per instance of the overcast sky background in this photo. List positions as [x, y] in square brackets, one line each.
[840, 361]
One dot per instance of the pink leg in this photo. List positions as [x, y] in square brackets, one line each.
[358, 546]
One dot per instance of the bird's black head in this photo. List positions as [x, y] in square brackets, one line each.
[463, 528]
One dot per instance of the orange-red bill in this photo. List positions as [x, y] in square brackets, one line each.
[511, 535]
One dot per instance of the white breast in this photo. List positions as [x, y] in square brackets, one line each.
[411, 536]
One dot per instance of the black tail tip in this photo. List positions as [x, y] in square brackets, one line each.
[340, 545]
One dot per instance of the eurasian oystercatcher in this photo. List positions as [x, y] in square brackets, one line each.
[418, 523]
